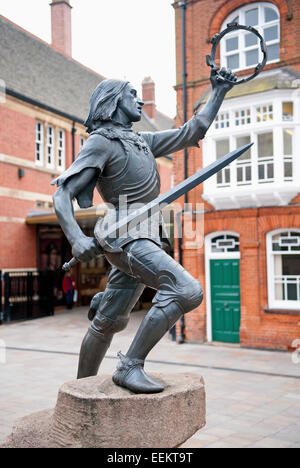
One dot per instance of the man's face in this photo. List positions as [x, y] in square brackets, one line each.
[131, 104]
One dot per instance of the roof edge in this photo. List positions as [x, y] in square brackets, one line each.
[50, 45]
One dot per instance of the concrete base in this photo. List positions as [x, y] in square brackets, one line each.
[95, 413]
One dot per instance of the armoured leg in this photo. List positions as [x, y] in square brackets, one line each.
[177, 293]
[112, 316]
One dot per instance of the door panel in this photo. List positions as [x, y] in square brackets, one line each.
[225, 299]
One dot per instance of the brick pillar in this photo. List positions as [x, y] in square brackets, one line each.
[61, 26]
[148, 87]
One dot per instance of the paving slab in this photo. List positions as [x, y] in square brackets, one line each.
[253, 396]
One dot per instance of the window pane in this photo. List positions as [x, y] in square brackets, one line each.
[287, 110]
[222, 148]
[251, 17]
[250, 40]
[271, 34]
[233, 61]
[251, 57]
[265, 145]
[288, 142]
[227, 176]
[248, 173]
[239, 174]
[291, 269]
[270, 15]
[273, 52]
[241, 141]
[261, 172]
[232, 44]
[288, 169]
[270, 171]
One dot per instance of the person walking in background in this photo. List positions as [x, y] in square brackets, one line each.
[69, 287]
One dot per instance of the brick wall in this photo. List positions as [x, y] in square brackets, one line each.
[258, 329]
[16, 132]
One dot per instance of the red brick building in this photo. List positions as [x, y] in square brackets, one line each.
[43, 104]
[249, 261]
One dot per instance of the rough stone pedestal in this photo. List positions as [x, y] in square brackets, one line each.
[95, 413]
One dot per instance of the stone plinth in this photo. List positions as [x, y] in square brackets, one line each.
[95, 413]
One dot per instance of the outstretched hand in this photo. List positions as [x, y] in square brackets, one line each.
[216, 78]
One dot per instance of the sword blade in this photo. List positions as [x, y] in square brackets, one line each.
[168, 197]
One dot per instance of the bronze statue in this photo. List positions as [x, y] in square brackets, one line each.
[120, 162]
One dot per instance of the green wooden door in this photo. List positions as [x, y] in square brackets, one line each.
[225, 299]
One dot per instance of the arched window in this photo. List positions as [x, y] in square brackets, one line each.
[240, 50]
[283, 251]
[225, 243]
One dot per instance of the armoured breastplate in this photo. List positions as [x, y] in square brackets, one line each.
[136, 182]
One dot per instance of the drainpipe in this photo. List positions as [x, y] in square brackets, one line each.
[182, 4]
[73, 141]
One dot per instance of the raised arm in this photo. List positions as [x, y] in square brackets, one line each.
[84, 248]
[169, 141]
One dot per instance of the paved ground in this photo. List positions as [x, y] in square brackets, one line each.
[253, 397]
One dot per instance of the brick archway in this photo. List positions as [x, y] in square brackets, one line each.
[228, 6]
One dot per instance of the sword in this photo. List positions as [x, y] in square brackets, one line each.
[164, 199]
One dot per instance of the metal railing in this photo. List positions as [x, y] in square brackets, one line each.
[27, 295]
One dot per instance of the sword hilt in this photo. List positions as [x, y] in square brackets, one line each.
[68, 265]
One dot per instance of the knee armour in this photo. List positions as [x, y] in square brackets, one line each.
[114, 310]
[194, 297]
[104, 326]
[187, 293]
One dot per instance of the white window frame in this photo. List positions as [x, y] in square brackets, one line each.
[40, 142]
[223, 173]
[50, 146]
[209, 255]
[244, 164]
[289, 158]
[61, 149]
[240, 118]
[222, 120]
[273, 303]
[242, 49]
[265, 161]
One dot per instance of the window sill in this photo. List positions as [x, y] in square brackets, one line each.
[282, 312]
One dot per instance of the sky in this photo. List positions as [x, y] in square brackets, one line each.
[121, 39]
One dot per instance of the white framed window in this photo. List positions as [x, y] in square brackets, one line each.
[61, 149]
[240, 49]
[222, 120]
[283, 260]
[244, 162]
[222, 148]
[50, 146]
[268, 173]
[264, 113]
[288, 151]
[225, 243]
[242, 117]
[265, 154]
[288, 111]
[39, 143]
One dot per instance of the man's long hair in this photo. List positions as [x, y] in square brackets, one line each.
[104, 102]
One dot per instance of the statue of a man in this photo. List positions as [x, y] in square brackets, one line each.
[120, 162]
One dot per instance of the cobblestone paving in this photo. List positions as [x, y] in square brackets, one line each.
[253, 397]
